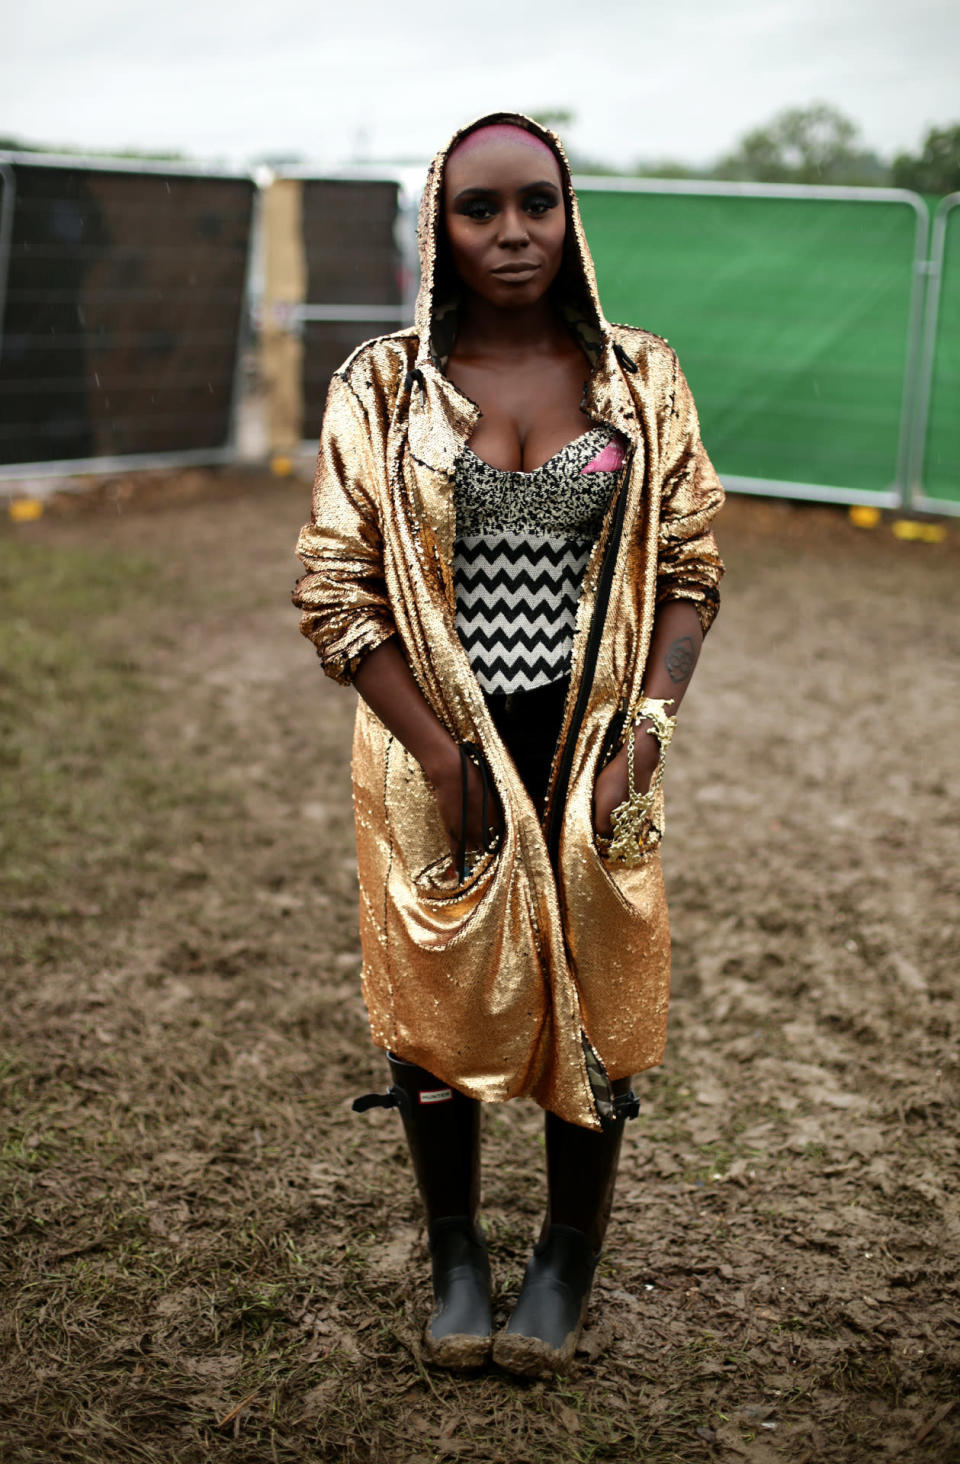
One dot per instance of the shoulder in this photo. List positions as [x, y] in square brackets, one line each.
[655, 375]
[374, 371]
[644, 345]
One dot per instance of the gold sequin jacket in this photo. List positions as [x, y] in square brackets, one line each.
[546, 972]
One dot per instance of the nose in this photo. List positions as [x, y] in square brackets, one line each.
[514, 233]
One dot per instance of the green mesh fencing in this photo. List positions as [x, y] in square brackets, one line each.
[941, 462]
[793, 318]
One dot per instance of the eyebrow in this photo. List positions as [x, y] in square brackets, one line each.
[527, 188]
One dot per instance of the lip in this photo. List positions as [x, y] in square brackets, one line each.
[516, 271]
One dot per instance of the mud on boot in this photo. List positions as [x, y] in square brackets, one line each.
[541, 1336]
[442, 1127]
[458, 1334]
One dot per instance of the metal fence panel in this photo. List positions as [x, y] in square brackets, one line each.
[354, 278]
[938, 428]
[124, 306]
[7, 197]
[796, 314]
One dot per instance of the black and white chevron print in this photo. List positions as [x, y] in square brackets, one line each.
[523, 542]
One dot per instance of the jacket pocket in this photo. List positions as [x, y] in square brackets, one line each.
[630, 884]
[419, 838]
[438, 880]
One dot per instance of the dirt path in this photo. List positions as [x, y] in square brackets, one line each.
[206, 1255]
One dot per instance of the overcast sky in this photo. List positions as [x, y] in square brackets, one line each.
[377, 78]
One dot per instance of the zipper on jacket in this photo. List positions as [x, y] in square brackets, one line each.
[604, 586]
[601, 1090]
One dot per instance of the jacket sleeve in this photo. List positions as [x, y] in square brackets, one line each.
[689, 566]
[343, 596]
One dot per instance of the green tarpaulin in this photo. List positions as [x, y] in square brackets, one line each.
[791, 317]
[941, 464]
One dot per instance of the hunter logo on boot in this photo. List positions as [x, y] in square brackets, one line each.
[435, 1095]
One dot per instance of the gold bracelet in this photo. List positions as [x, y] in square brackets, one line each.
[633, 834]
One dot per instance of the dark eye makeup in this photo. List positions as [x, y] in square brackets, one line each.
[541, 203]
[481, 204]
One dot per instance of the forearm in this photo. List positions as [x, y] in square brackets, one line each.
[674, 649]
[387, 685]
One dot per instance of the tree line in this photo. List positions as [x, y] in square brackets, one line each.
[815, 144]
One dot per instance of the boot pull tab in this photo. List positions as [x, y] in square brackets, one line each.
[414, 376]
[626, 1105]
[392, 1098]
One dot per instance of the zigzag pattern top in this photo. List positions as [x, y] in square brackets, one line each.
[523, 542]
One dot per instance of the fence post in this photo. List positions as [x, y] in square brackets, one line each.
[911, 374]
[8, 191]
[928, 351]
[285, 288]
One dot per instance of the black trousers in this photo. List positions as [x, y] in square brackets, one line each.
[529, 723]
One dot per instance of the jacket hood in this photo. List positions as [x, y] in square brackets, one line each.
[575, 288]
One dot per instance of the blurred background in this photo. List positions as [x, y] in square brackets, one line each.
[198, 224]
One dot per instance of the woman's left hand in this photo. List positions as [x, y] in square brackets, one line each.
[611, 787]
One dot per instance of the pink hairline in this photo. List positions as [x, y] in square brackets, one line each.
[507, 131]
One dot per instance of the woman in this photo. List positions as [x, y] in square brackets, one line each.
[510, 558]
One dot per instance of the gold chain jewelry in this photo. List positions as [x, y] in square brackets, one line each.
[633, 834]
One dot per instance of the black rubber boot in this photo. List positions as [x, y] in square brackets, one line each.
[542, 1334]
[443, 1134]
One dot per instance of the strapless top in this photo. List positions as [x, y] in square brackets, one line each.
[522, 545]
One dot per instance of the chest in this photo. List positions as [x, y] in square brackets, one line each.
[530, 410]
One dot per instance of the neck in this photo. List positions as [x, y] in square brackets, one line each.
[486, 330]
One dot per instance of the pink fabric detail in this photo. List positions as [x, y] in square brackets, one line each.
[502, 132]
[609, 458]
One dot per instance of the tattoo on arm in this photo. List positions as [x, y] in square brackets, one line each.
[680, 659]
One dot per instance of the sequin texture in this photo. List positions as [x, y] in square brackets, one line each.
[493, 985]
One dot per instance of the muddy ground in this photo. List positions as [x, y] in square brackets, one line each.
[205, 1255]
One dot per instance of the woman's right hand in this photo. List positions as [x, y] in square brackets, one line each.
[447, 784]
[385, 682]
